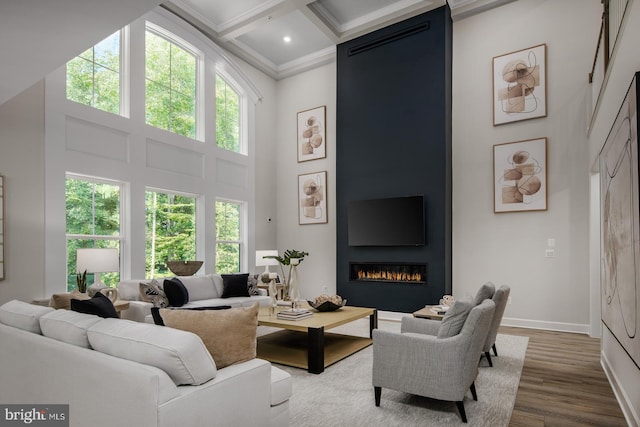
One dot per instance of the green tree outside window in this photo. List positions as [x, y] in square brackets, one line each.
[92, 221]
[170, 231]
[93, 77]
[170, 86]
[228, 243]
[227, 116]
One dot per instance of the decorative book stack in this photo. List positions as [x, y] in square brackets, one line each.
[294, 314]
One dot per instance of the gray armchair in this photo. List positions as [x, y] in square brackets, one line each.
[500, 298]
[416, 361]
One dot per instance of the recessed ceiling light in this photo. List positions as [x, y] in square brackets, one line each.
[287, 39]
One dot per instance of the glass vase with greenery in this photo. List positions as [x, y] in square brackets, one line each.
[291, 258]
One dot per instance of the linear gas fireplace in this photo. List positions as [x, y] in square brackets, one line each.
[388, 272]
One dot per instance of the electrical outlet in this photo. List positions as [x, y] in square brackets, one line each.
[549, 253]
[325, 289]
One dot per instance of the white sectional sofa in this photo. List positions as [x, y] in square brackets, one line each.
[204, 291]
[114, 372]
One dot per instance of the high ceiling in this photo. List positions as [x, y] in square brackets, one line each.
[255, 29]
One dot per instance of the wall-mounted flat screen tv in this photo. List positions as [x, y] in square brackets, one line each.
[396, 221]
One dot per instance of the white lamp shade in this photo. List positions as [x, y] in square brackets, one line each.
[98, 260]
[266, 261]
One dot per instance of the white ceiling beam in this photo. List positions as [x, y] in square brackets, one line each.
[255, 18]
[327, 28]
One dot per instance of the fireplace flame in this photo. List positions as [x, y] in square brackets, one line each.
[387, 275]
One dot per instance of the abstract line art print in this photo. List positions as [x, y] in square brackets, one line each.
[520, 176]
[620, 229]
[520, 85]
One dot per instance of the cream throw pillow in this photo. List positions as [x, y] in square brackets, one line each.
[229, 335]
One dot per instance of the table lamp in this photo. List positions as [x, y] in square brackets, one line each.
[260, 260]
[98, 261]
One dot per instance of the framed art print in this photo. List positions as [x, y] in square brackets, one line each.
[520, 85]
[620, 225]
[311, 137]
[312, 198]
[520, 176]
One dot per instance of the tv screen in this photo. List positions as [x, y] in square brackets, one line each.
[397, 221]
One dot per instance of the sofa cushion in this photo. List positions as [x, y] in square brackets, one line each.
[23, 315]
[454, 319]
[199, 287]
[68, 326]
[181, 354]
[157, 318]
[130, 289]
[218, 284]
[229, 335]
[486, 291]
[153, 293]
[64, 300]
[99, 305]
[176, 292]
[235, 285]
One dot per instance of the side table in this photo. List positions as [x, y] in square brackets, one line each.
[426, 313]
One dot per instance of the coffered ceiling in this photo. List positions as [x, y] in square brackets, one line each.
[255, 30]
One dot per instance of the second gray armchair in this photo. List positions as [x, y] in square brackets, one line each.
[500, 298]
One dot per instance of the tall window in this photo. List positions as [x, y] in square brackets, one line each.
[228, 236]
[170, 84]
[227, 116]
[93, 77]
[171, 231]
[93, 221]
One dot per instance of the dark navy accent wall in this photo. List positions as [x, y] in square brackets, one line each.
[394, 139]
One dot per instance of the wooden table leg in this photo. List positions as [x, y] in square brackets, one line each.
[315, 350]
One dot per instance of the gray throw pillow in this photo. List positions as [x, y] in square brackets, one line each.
[486, 291]
[453, 321]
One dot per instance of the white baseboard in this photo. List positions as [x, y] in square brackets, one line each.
[576, 328]
[623, 400]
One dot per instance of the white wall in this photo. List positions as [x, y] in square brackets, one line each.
[298, 93]
[22, 164]
[623, 374]
[509, 248]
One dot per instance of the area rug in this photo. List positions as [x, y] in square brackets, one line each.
[343, 395]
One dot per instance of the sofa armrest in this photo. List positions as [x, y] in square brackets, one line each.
[420, 326]
[137, 311]
[239, 395]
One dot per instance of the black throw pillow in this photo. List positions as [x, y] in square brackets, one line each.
[98, 305]
[235, 285]
[176, 292]
[157, 318]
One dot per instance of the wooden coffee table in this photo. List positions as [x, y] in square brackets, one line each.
[305, 344]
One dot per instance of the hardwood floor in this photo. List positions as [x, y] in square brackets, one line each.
[562, 382]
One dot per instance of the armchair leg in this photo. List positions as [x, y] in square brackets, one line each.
[473, 391]
[494, 350]
[488, 356]
[377, 391]
[463, 414]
